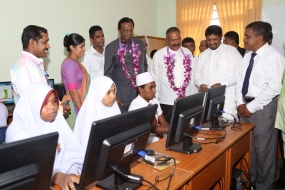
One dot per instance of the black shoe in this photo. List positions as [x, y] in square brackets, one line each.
[279, 184]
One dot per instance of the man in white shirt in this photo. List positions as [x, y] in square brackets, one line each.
[203, 45]
[146, 96]
[93, 59]
[259, 81]
[189, 43]
[171, 75]
[217, 66]
[30, 68]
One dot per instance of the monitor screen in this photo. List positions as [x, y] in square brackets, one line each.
[51, 82]
[6, 93]
[119, 151]
[213, 106]
[28, 164]
[106, 128]
[184, 111]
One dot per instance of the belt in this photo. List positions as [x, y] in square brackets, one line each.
[248, 99]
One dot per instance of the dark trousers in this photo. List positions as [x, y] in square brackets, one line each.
[167, 111]
[264, 147]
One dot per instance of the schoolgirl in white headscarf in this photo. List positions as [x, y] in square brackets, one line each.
[36, 114]
[100, 103]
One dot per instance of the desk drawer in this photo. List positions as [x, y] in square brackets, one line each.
[210, 174]
[240, 148]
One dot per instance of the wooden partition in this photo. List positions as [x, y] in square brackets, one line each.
[153, 43]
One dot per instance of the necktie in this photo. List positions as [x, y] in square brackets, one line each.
[247, 75]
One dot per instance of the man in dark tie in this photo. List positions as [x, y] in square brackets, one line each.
[258, 86]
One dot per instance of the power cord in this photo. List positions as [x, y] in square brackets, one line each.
[236, 125]
[218, 139]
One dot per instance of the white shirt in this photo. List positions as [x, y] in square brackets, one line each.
[27, 70]
[220, 66]
[265, 81]
[149, 60]
[138, 103]
[280, 50]
[3, 115]
[158, 71]
[93, 61]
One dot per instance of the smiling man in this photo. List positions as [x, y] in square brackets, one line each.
[93, 59]
[30, 68]
[259, 82]
[171, 76]
[217, 66]
[125, 58]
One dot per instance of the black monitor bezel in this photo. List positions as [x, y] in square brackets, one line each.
[98, 134]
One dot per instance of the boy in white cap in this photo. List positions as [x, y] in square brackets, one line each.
[146, 96]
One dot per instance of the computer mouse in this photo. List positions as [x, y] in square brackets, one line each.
[150, 152]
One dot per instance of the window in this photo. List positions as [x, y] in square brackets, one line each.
[215, 17]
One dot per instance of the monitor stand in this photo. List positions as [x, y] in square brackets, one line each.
[214, 125]
[117, 181]
[186, 147]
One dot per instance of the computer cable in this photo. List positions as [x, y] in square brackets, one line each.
[157, 180]
[234, 125]
[198, 139]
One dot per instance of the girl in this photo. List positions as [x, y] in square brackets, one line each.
[37, 114]
[100, 103]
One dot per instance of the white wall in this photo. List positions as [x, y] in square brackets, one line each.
[66, 16]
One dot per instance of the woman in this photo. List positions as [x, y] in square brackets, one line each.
[74, 76]
[100, 103]
[37, 114]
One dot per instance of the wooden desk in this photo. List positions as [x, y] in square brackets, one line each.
[204, 169]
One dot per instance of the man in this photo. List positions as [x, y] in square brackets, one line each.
[171, 76]
[232, 38]
[203, 45]
[30, 68]
[189, 43]
[123, 67]
[148, 59]
[258, 86]
[217, 66]
[146, 96]
[93, 59]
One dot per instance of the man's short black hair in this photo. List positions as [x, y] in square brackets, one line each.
[172, 29]
[188, 40]
[32, 32]
[260, 28]
[215, 30]
[94, 29]
[233, 36]
[124, 20]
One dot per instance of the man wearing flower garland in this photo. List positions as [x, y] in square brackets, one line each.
[125, 58]
[171, 70]
[217, 66]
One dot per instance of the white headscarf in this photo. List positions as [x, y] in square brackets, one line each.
[93, 109]
[28, 123]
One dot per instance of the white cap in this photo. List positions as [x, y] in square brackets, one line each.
[143, 78]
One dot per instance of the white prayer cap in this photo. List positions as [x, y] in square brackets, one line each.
[143, 78]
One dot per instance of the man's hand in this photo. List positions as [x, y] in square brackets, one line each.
[66, 109]
[65, 181]
[216, 85]
[243, 111]
[203, 87]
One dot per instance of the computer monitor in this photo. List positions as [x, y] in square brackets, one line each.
[105, 128]
[212, 108]
[181, 124]
[28, 164]
[118, 152]
[6, 93]
[51, 82]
